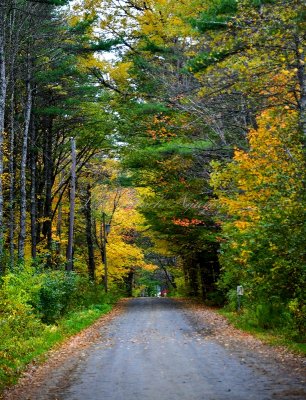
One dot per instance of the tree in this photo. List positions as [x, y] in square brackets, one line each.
[72, 207]
[260, 198]
[2, 116]
[89, 233]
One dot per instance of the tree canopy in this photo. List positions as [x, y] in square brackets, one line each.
[189, 124]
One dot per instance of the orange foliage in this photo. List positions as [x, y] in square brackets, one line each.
[187, 222]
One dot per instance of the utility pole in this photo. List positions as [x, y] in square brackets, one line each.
[69, 265]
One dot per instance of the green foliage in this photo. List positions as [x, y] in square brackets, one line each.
[58, 292]
[206, 59]
[51, 2]
[148, 108]
[215, 298]
[153, 47]
[104, 45]
[145, 282]
[61, 292]
[76, 321]
[24, 342]
[90, 47]
[258, 3]
[82, 27]
[261, 205]
[30, 299]
[272, 315]
[217, 15]
[264, 313]
[181, 290]
[18, 320]
[283, 335]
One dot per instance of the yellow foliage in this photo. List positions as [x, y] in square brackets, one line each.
[120, 72]
[90, 62]
[269, 170]
[119, 205]
[168, 19]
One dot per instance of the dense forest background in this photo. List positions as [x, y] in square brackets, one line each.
[147, 146]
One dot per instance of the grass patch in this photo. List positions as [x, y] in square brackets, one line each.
[79, 320]
[32, 344]
[273, 337]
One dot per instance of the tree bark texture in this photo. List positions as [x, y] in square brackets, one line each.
[48, 161]
[12, 223]
[33, 193]
[105, 256]
[59, 218]
[69, 265]
[24, 153]
[301, 72]
[2, 115]
[89, 238]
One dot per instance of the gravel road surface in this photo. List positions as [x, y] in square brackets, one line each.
[155, 351]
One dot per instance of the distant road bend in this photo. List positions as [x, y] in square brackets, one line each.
[154, 351]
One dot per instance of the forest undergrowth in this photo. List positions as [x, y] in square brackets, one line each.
[39, 310]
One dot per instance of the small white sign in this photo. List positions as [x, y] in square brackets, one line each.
[240, 290]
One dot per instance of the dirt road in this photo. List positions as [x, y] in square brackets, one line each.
[157, 350]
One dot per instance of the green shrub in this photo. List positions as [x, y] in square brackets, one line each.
[31, 299]
[232, 302]
[297, 309]
[56, 294]
[18, 325]
[62, 292]
[272, 315]
[215, 298]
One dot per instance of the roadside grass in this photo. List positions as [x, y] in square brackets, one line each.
[33, 346]
[273, 337]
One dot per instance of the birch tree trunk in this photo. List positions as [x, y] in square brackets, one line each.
[23, 192]
[69, 265]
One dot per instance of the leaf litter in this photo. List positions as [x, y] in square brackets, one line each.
[278, 361]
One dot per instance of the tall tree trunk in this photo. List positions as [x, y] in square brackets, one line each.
[59, 218]
[129, 282]
[48, 161]
[13, 41]
[99, 238]
[69, 265]
[23, 192]
[12, 179]
[89, 238]
[2, 114]
[301, 72]
[39, 203]
[33, 192]
[193, 277]
[105, 255]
